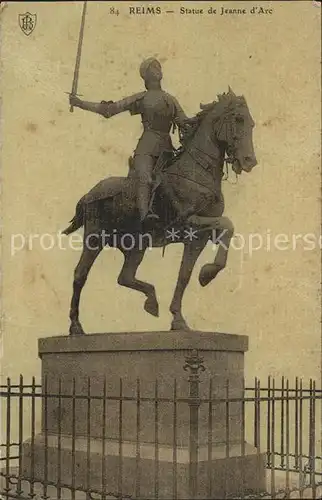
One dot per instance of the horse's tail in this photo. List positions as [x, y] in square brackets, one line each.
[78, 220]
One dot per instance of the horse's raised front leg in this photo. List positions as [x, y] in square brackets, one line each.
[83, 267]
[224, 230]
[191, 253]
[132, 260]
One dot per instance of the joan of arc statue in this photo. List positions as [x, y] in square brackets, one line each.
[159, 112]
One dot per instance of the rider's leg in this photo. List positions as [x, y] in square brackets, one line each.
[143, 165]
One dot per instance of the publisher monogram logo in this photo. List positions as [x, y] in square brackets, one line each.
[27, 22]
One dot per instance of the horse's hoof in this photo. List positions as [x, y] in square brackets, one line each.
[76, 329]
[179, 324]
[151, 306]
[208, 272]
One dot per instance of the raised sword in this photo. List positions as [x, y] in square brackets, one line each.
[78, 56]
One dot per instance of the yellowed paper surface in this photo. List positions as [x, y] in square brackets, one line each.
[51, 157]
[270, 290]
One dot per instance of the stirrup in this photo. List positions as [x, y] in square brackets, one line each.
[151, 216]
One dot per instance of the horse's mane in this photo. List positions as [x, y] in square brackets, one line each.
[194, 123]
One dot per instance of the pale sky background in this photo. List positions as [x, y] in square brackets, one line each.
[51, 157]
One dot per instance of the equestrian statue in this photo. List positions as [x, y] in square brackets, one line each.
[169, 196]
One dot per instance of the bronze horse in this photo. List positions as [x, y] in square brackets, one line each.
[188, 200]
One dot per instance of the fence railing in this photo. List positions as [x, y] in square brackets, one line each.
[126, 442]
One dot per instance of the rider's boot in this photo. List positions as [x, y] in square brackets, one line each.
[146, 213]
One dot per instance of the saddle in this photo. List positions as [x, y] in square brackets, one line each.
[111, 186]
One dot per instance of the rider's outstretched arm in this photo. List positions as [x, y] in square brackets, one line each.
[95, 107]
[110, 108]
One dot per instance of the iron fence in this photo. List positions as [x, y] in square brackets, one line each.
[85, 442]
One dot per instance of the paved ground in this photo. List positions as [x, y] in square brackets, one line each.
[280, 482]
[51, 493]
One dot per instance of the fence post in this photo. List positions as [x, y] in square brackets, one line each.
[193, 363]
[8, 436]
[312, 437]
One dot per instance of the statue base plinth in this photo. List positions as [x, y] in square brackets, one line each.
[228, 475]
[148, 416]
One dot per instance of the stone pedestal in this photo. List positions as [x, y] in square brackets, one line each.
[153, 421]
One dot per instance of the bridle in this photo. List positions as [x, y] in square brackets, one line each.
[225, 131]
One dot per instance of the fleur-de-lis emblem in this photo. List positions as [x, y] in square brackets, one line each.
[194, 363]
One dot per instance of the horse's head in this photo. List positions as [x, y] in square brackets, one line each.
[233, 127]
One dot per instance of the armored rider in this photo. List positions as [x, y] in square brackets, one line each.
[159, 112]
